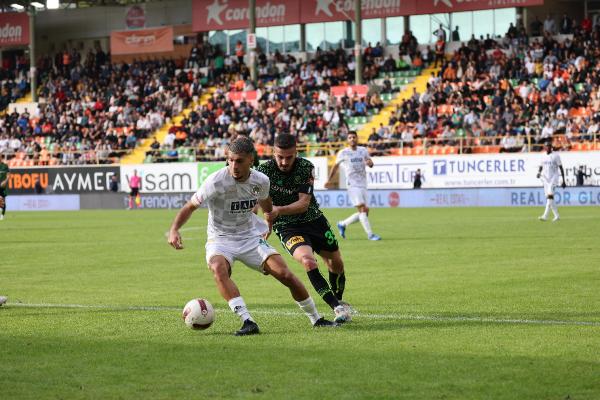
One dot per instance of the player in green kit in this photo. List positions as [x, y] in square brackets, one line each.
[4, 172]
[300, 224]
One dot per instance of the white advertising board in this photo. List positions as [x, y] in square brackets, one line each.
[162, 178]
[477, 170]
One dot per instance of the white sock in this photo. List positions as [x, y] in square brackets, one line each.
[553, 207]
[364, 220]
[238, 306]
[547, 210]
[350, 220]
[309, 308]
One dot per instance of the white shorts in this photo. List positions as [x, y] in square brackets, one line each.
[252, 252]
[548, 188]
[358, 196]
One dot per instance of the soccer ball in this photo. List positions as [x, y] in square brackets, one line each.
[198, 314]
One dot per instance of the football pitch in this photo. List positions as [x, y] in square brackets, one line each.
[478, 303]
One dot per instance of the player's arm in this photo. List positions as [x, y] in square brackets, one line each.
[298, 207]
[369, 161]
[539, 174]
[4, 183]
[180, 219]
[335, 168]
[562, 172]
[267, 207]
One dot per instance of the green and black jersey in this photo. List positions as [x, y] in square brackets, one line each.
[3, 174]
[285, 189]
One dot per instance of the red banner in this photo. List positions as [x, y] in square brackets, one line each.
[250, 97]
[140, 41]
[233, 14]
[343, 10]
[14, 29]
[445, 6]
[350, 91]
[211, 15]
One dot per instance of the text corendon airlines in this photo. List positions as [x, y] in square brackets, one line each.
[11, 33]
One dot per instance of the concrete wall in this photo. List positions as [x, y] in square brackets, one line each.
[56, 28]
[573, 8]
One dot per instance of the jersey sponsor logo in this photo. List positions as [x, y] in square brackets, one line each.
[294, 240]
[283, 190]
[242, 206]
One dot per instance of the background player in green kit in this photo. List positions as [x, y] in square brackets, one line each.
[300, 224]
[4, 172]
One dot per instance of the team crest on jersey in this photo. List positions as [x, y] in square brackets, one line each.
[255, 190]
[293, 241]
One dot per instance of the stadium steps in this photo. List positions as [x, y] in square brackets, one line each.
[420, 83]
[25, 99]
[138, 154]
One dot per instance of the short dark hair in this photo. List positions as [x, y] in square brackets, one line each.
[353, 133]
[242, 145]
[285, 141]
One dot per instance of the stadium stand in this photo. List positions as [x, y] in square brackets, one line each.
[504, 95]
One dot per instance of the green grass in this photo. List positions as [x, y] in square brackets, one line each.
[455, 304]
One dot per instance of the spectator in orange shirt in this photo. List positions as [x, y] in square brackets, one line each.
[450, 72]
[239, 51]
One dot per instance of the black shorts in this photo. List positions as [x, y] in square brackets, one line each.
[134, 192]
[2, 192]
[316, 234]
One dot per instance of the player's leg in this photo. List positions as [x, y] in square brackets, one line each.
[304, 255]
[549, 192]
[297, 241]
[221, 270]
[3, 299]
[130, 201]
[342, 225]
[2, 204]
[276, 266]
[362, 199]
[553, 205]
[337, 277]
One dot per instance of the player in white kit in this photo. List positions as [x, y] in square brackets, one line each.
[548, 173]
[234, 233]
[355, 159]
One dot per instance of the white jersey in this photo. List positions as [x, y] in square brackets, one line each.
[230, 204]
[550, 168]
[354, 163]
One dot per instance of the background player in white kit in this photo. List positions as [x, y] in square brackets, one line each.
[234, 234]
[354, 159]
[548, 172]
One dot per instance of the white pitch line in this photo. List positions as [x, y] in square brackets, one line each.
[399, 317]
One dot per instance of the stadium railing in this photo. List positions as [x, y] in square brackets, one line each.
[460, 144]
